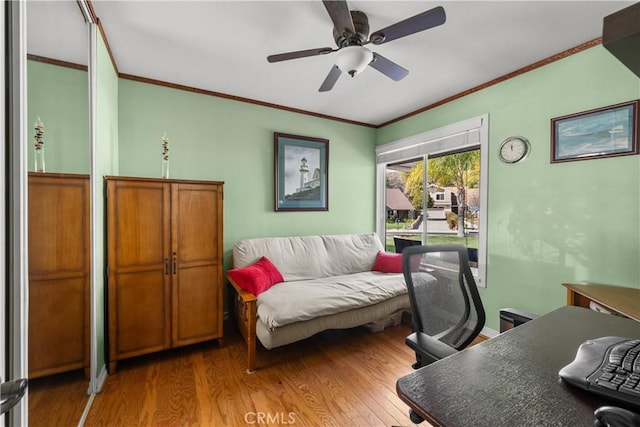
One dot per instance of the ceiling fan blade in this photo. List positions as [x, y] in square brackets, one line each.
[299, 54]
[330, 80]
[423, 21]
[388, 68]
[340, 15]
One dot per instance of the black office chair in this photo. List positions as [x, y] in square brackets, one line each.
[401, 243]
[447, 311]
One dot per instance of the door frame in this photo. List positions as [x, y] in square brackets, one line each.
[3, 206]
[14, 170]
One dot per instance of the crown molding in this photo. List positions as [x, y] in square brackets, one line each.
[538, 64]
[541, 63]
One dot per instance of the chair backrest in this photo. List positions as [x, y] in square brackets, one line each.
[443, 293]
[401, 243]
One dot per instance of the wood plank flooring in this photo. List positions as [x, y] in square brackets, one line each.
[57, 400]
[336, 378]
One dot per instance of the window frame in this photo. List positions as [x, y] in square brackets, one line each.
[461, 136]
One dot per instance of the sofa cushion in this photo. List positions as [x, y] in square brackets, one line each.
[311, 257]
[271, 338]
[296, 301]
[256, 278]
[388, 263]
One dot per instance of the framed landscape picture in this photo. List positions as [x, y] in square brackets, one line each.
[301, 173]
[604, 132]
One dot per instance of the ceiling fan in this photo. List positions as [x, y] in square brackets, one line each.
[350, 32]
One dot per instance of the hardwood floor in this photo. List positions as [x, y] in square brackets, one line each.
[336, 378]
[57, 400]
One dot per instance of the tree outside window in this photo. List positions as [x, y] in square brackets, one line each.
[460, 170]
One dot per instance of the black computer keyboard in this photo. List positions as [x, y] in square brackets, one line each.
[609, 366]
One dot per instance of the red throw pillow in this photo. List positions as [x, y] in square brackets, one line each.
[388, 263]
[256, 278]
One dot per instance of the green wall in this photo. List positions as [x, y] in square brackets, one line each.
[218, 139]
[547, 223]
[550, 223]
[106, 164]
[60, 97]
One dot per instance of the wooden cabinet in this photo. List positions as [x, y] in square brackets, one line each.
[59, 265]
[165, 275]
[616, 299]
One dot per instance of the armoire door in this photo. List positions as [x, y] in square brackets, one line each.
[139, 269]
[196, 240]
[59, 256]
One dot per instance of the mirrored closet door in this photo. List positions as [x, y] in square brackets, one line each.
[59, 247]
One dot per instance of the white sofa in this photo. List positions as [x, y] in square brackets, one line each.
[328, 284]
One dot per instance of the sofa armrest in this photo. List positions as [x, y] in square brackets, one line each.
[245, 295]
[245, 312]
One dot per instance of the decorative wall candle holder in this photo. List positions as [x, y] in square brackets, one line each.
[165, 156]
[38, 146]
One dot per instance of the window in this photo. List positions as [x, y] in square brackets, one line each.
[452, 209]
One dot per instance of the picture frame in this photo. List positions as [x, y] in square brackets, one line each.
[604, 132]
[301, 166]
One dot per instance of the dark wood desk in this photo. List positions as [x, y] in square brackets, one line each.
[512, 379]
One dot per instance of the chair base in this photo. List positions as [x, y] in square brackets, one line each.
[415, 418]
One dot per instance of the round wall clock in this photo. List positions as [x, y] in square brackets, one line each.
[514, 149]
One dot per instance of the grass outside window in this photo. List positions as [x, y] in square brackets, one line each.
[470, 241]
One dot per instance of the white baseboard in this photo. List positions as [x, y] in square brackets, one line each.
[101, 379]
[99, 383]
[488, 332]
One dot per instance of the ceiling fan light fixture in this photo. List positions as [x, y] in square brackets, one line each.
[353, 59]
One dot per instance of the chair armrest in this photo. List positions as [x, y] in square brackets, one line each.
[429, 347]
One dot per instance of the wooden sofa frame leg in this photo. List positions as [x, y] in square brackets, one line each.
[245, 314]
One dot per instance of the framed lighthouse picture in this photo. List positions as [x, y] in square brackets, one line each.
[301, 167]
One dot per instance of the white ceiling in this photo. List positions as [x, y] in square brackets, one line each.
[222, 46]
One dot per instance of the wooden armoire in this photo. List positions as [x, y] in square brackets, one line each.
[165, 277]
[59, 267]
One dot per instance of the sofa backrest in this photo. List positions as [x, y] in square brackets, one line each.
[311, 257]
